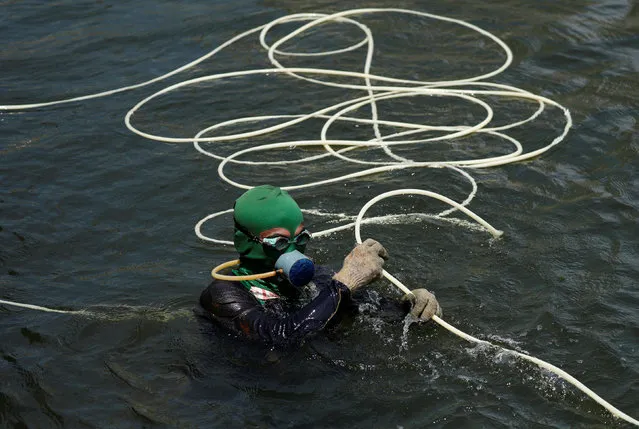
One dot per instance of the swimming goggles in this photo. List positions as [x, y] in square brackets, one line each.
[281, 243]
[278, 242]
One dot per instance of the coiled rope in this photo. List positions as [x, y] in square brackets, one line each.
[376, 88]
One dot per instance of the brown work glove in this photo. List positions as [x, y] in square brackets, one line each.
[422, 304]
[363, 265]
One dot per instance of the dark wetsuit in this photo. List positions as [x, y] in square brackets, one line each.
[280, 321]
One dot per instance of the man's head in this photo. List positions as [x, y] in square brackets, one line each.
[268, 222]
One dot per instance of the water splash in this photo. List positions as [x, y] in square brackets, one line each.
[408, 320]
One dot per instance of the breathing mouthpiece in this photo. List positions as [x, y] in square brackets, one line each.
[297, 267]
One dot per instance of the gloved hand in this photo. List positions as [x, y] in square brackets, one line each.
[422, 304]
[363, 265]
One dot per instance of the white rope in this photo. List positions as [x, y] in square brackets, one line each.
[39, 308]
[376, 88]
[543, 364]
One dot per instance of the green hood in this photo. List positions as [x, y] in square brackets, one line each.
[259, 209]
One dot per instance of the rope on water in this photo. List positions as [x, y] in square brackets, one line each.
[40, 308]
[542, 364]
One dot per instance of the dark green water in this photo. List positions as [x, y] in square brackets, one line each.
[95, 217]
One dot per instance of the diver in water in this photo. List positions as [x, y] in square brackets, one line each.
[270, 238]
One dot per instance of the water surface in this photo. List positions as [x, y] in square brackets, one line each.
[95, 217]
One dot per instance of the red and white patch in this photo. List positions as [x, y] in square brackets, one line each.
[263, 294]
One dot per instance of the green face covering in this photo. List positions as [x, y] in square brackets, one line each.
[259, 209]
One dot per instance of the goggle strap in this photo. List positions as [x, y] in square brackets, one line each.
[246, 232]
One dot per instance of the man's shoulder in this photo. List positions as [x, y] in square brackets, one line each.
[224, 291]
[226, 299]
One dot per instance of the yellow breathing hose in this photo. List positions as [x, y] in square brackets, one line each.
[234, 262]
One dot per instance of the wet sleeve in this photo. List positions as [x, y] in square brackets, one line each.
[288, 328]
